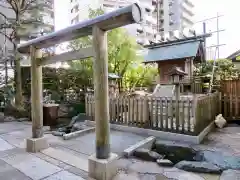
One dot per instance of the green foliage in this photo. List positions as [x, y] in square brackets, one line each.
[123, 59]
[224, 67]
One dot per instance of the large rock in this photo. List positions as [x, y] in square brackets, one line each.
[230, 175]
[78, 126]
[175, 153]
[57, 133]
[22, 119]
[200, 167]
[73, 121]
[220, 121]
[225, 162]
[164, 162]
[9, 119]
[79, 118]
[147, 155]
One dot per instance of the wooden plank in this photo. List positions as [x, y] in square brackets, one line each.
[172, 113]
[161, 112]
[133, 111]
[183, 115]
[116, 120]
[189, 115]
[129, 111]
[67, 56]
[141, 111]
[236, 106]
[151, 112]
[166, 120]
[156, 113]
[124, 109]
[231, 106]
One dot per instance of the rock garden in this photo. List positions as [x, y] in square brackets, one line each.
[217, 158]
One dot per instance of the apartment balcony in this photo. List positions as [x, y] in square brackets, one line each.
[187, 18]
[171, 22]
[148, 29]
[189, 2]
[187, 9]
[151, 20]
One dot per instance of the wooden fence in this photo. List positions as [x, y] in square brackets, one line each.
[230, 87]
[206, 109]
[160, 113]
[230, 99]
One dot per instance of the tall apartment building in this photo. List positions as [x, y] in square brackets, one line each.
[30, 30]
[161, 16]
[79, 12]
[173, 15]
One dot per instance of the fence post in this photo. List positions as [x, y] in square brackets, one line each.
[196, 114]
[145, 112]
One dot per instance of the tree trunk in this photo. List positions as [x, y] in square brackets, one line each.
[18, 79]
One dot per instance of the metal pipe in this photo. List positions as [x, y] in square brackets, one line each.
[121, 17]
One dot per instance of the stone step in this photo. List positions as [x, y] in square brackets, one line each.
[68, 158]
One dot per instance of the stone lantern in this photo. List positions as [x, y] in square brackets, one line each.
[176, 75]
[113, 86]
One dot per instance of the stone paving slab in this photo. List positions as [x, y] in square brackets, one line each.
[13, 126]
[31, 166]
[8, 172]
[63, 175]
[52, 161]
[4, 145]
[119, 142]
[67, 158]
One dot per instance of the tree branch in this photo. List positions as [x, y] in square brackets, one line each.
[9, 38]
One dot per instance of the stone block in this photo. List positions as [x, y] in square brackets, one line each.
[102, 169]
[36, 144]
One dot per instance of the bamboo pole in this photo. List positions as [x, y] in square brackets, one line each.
[100, 66]
[36, 94]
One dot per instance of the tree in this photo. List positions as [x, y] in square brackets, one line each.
[122, 54]
[224, 67]
[24, 16]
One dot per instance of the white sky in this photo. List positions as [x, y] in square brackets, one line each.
[203, 9]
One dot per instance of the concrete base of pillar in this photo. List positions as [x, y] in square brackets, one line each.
[102, 169]
[36, 144]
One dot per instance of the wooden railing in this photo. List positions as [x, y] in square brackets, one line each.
[160, 113]
[206, 109]
[230, 106]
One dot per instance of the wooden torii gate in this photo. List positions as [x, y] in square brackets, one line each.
[98, 28]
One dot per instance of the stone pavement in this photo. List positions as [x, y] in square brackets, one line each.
[67, 160]
[63, 160]
[225, 140]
